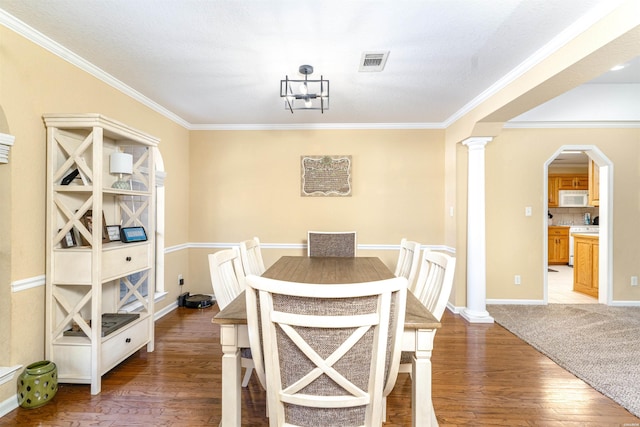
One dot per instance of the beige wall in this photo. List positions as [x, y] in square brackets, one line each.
[32, 82]
[515, 179]
[225, 186]
[247, 183]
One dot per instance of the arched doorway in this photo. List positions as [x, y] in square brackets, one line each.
[605, 214]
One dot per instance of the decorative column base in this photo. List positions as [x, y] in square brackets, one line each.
[473, 316]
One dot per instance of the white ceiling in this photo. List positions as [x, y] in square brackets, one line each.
[220, 62]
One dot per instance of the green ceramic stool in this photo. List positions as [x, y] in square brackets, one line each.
[37, 384]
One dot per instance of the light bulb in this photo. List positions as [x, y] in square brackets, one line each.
[307, 102]
[303, 88]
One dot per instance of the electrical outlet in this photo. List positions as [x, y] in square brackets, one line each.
[180, 280]
[516, 279]
[634, 280]
[527, 211]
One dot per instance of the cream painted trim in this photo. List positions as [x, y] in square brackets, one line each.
[7, 373]
[515, 302]
[166, 310]
[218, 245]
[34, 282]
[573, 125]
[320, 126]
[625, 303]
[24, 284]
[176, 248]
[9, 404]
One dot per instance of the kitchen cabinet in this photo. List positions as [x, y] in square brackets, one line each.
[565, 182]
[558, 245]
[91, 275]
[554, 185]
[585, 265]
[594, 184]
[573, 182]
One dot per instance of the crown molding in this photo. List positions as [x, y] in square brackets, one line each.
[573, 125]
[57, 49]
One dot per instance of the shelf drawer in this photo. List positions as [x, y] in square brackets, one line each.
[124, 260]
[73, 359]
[123, 343]
[73, 266]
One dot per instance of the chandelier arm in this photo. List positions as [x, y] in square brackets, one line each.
[288, 87]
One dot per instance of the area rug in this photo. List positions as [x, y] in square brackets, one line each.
[597, 343]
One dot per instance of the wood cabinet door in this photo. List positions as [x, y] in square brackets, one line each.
[552, 249]
[573, 182]
[595, 283]
[585, 266]
[581, 182]
[594, 184]
[558, 245]
[566, 182]
[563, 249]
[554, 183]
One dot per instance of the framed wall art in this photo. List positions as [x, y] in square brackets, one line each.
[325, 176]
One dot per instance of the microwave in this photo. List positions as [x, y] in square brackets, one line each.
[573, 198]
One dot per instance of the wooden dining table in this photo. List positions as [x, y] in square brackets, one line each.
[419, 329]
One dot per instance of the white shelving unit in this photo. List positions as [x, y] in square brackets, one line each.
[89, 275]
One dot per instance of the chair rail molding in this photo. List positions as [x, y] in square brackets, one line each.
[6, 142]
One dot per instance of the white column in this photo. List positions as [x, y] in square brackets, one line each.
[476, 311]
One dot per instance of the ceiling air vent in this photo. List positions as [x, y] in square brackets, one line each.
[373, 61]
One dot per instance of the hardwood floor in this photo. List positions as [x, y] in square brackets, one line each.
[482, 376]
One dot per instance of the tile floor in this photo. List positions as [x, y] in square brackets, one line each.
[560, 287]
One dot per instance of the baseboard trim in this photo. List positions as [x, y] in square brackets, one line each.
[8, 405]
[515, 301]
[168, 309]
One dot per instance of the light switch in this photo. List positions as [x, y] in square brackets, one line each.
[527, 211]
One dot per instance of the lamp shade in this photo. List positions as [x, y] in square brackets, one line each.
[121, 163]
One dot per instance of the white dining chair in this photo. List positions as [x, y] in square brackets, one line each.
[408, 261]
[251, 257]
[328, 351]
[331, 244]
[228, 281]
[432, 288]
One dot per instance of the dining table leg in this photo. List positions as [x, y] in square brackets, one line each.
[423, 414]
[231, 364]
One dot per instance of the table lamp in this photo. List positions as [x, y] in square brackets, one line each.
[121, 163]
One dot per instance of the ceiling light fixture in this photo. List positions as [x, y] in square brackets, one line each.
[312, 94]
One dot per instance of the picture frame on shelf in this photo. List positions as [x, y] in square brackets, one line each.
[113, 232]
[69, 239]
[87, 221]
[73, 175]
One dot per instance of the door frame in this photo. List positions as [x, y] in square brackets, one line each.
[605, 247]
